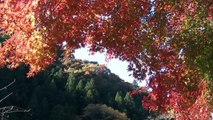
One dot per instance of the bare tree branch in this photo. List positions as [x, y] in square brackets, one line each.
[6, 97]
[4, 111]
[10, 109]
[5, 87]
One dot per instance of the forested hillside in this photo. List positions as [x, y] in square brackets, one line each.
[71, 89]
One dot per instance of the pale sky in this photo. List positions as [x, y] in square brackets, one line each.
[115, 65]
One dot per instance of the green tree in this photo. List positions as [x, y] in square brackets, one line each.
[128, 100]
[118, 98]
[52, 84]
[92, 95]
[60, 78]
[90, 85]
[80, 86]
[71, 83]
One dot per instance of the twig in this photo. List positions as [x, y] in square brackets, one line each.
[6, 97]
[5, 87]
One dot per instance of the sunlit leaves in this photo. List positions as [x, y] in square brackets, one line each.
[32, 51]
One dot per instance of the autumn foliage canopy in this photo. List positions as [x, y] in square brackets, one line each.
[168, 43]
